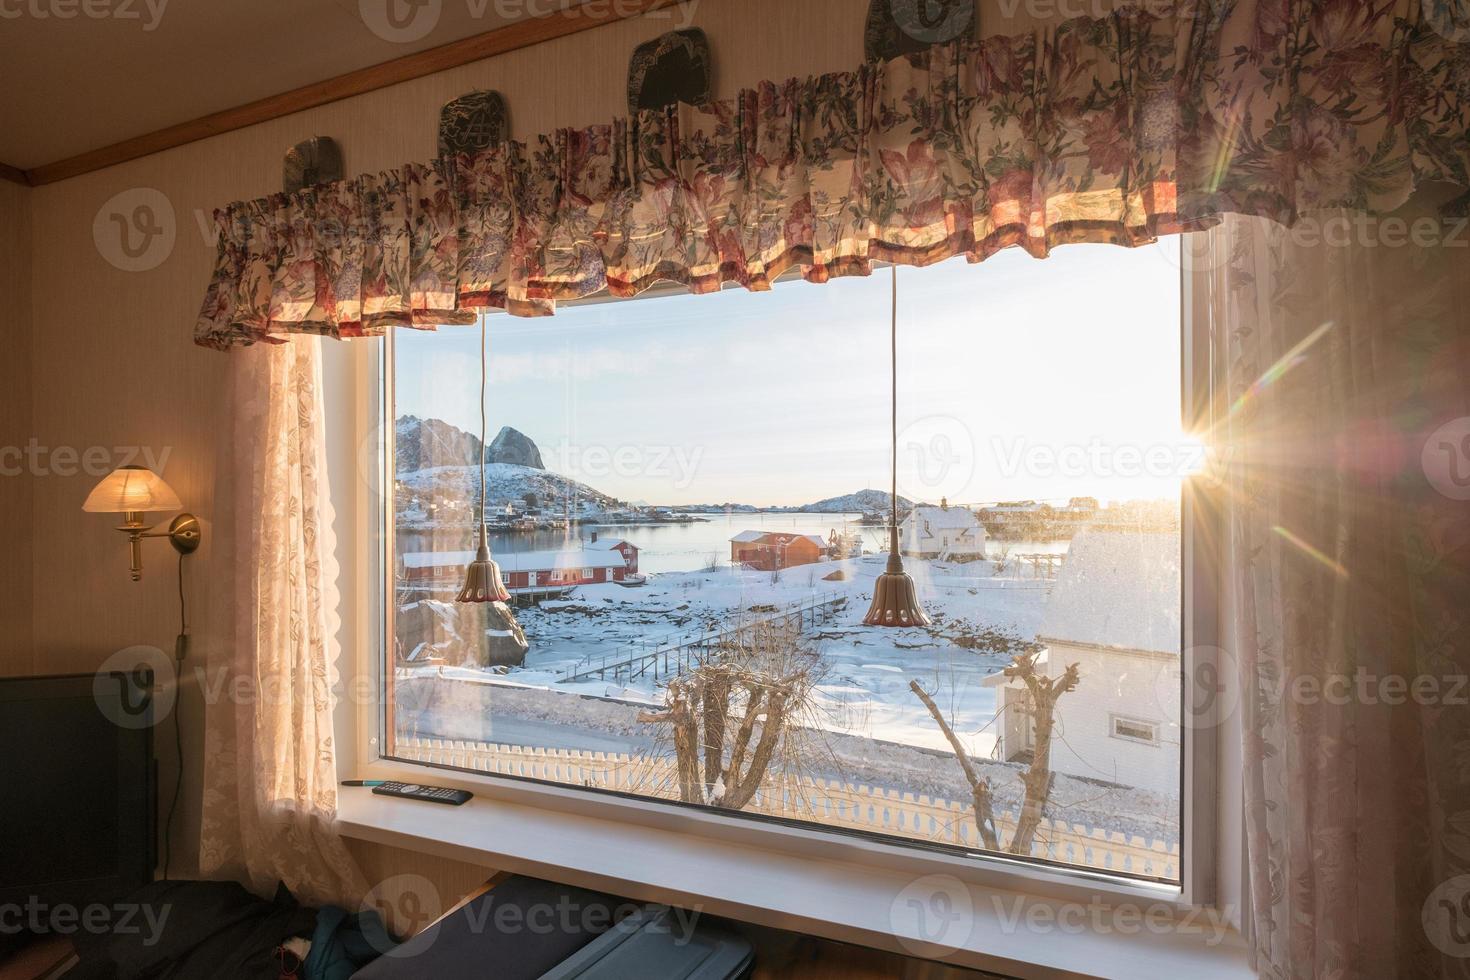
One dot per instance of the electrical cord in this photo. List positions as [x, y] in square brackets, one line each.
[180, 648]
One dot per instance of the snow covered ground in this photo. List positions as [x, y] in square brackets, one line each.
[979, 622]
[878, 732]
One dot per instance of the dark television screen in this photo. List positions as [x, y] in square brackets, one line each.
[78, 802]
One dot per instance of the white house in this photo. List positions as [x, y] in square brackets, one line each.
[1115, 612]
[942, 532]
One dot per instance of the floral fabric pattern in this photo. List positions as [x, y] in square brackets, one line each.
[1115, 130]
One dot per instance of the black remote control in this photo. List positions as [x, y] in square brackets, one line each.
[429, 794]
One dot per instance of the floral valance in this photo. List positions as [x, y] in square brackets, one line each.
[1115, 129]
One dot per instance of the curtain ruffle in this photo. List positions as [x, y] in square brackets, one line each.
[1113, 130]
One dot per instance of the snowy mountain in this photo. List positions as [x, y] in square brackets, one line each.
[422, 444]
[458, 488]
[419, 444]
[438, 464]
[438, 474]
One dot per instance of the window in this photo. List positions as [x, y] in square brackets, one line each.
[686, 498]
[1138, 731]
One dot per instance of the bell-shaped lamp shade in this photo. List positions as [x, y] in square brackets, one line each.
[895, 600]
[131, 489]
[482, 582]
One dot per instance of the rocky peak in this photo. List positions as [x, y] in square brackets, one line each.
[422, 444]
[513, 446]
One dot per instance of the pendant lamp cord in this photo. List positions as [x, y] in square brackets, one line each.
[483, 372]
[893, 362]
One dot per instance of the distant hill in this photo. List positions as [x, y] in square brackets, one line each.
[862, 502]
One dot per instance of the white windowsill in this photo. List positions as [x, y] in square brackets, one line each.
[832, 899]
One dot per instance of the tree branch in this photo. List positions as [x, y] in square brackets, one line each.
[979, 788]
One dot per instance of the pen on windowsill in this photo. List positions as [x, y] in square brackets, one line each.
[363, 782]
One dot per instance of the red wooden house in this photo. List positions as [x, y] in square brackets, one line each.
[529, 571]
[768, 550]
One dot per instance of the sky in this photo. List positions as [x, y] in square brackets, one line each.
[1017, 379]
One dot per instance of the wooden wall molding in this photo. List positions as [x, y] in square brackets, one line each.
[522, 34]
[13, 174]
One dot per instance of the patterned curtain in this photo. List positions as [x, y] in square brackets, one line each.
[270, 793]
[1155, 119]
[1346, 428]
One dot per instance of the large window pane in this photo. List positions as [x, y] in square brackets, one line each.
[688, 498]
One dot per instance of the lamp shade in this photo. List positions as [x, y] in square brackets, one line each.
[895, 600]
[131, 489]
[482, 581]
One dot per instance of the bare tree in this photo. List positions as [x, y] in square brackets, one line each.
[1002, 558]
[1042, 693]
[738, 717]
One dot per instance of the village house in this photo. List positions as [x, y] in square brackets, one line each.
[1115, 613]
[627, 549]
[529, 572]
[767, 551]
[942, 532]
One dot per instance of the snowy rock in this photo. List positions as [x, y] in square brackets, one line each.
[505, 642]
[469, 634]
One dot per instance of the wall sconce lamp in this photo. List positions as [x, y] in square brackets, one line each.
[134, 491]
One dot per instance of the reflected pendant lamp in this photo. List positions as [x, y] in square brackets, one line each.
[895, 600]
[482, 581]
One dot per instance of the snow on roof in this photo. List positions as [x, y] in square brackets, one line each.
[945, 517]
[746, 537]
[1118, 589]
[605, 544]
[521, 561]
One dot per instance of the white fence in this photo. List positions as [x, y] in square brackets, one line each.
[830, 802]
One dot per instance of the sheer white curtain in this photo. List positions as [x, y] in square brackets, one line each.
[270, 786]
[1344, 345]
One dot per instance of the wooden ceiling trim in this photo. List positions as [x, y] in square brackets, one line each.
[13, 174]
[512, 37]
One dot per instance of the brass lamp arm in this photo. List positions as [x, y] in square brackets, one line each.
[184, 533]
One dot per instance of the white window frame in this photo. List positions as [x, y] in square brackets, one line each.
[1211, 823]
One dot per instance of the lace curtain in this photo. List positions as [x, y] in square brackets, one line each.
[1346, 427]
[1115, 129]
[270, 793]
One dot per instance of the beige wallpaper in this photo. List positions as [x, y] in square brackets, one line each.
[114, 363]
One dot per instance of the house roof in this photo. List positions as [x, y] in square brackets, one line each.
[520, 561]
[1118, 589]
[952, 518]
[747, 537]
[607, 544]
